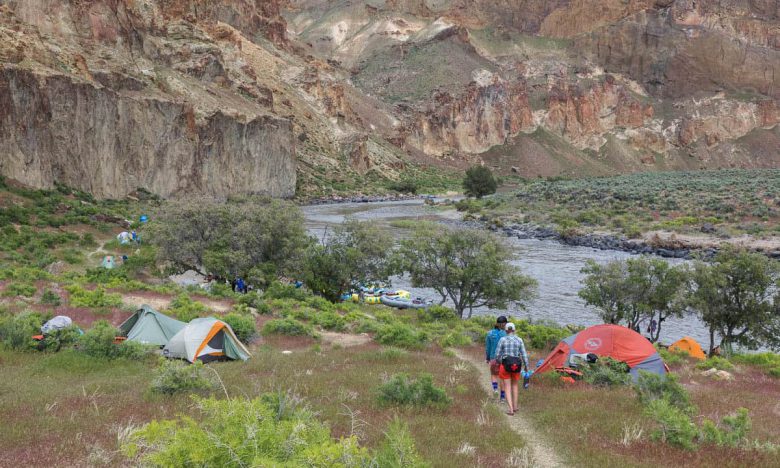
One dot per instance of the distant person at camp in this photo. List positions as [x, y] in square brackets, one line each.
[510, 352]
[491, 343]
[240, 285]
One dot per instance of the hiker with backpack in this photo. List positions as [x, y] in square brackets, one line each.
[511, 353]
[491, 343]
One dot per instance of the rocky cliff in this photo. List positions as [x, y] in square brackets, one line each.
[111, 96]
[298, 96]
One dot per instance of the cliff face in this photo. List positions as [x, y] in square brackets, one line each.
[609, 85]
[110, 96]
[273, 96]
[55, 129]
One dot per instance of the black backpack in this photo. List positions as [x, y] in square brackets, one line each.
[512, 364]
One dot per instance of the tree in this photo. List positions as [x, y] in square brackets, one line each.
[479, 181]
[734, 297]
[470, 267]
[634, 291]
[356, 253]
[230, 239]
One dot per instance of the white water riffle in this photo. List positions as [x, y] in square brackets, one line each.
[555, 266]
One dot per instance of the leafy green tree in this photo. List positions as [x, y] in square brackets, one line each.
[235, 238]
[734, 296]
[469, 267]
[479, 181]
[355, 253]
[636, 291]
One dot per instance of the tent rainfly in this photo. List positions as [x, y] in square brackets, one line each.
[148, 326]
[620, 343]
[206, 339]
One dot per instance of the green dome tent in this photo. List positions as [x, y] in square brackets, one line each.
[206, 339]
[148, 326]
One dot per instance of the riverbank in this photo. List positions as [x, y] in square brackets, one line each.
[662, 244]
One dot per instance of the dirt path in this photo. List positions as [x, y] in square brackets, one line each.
[542, 453]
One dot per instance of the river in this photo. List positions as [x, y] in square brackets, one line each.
[555, 266]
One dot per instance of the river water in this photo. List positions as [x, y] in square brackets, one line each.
[555, 266]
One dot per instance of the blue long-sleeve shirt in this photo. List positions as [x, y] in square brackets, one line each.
[491, 342]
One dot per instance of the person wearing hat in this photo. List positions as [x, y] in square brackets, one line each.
[491, 342]
[510, 353]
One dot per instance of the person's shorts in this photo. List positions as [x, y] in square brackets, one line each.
[494, 367]
[504, 375]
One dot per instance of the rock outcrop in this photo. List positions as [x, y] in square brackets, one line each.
[112, 96]
[58, 129]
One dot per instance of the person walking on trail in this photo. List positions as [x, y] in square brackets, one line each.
[511, 353]
[491, 343]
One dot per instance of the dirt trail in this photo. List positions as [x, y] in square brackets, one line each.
[543, 454]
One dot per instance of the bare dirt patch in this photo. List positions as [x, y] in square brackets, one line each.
[345, 340]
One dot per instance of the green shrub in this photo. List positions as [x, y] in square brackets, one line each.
[287, 326]
[537, 336]
[242, 432]
[62, 338]
[285, 291]
[186, 309]
[673, 358]
[16, 331]
[243, 326]
[437, 313]
[606, 372]
[479, 181]
[174, 376]
[674, 426]
[80, 297]
[716, 362]
[99, 342]
[51, 298]
[320, 303]
[398, 449]
[454, 339]
[404, 186]
[651, 387]
[732, 432]
[400, 335]
[403, 390]
[20, 289]
[330, 321]
[768, 362]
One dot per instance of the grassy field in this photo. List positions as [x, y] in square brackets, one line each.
[734, 202]
[68, 408]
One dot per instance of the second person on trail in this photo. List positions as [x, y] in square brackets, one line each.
[510, 352]
[491, 343]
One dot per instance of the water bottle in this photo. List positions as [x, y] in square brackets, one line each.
[526, 379]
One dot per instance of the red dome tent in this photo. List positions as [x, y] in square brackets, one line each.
[619, 343]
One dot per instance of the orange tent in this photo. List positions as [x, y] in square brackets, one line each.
[619, 343]
[690, 346]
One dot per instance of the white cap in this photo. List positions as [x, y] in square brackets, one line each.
[509, 326]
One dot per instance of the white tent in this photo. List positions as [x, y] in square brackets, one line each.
[206, 339]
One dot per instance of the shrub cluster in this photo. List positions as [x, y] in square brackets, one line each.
[98, 297]
[174, 376]
[16, 331]
[287, 326]
[667, 402]
[401, 335]
[243, 326]
[184, 308]
[606, 372]
[99, 342]
[769, 362]
[242, 432]
[401, 389]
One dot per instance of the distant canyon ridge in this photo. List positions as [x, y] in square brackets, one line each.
[278, 97]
